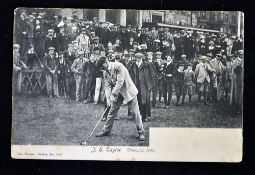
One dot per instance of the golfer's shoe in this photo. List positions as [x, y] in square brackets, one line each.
[83, 143]
[103, 133]
[141, 137]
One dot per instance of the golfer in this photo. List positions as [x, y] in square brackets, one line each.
[119, 87]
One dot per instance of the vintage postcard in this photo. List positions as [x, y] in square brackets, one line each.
[127, 85]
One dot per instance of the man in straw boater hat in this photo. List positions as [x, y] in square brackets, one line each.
[202, 78]
[119, 88]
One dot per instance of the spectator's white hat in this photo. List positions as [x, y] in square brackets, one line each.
[157, 41]
[158, 53]
[16, 46]
[51, 48]
[139, 55]
[50, 31]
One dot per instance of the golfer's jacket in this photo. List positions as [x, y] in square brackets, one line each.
[118, 81]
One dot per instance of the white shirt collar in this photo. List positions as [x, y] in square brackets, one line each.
[109, 66]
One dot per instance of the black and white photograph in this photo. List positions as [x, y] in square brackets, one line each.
[108, 77]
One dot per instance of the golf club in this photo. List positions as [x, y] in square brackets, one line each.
[105, 112]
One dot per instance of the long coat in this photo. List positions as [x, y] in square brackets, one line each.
[236, 97]
[202, 72]
[143, 77]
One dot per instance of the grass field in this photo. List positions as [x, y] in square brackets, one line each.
[59, 121]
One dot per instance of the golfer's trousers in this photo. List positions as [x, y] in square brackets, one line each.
[134, 110]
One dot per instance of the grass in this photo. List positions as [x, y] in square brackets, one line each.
[60, 121]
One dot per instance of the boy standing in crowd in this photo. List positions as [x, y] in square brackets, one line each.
[168, 72]
[178, 82]
[189, 78]
[63, 72]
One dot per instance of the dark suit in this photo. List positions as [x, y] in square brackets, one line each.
[168, 82]
[144, 79]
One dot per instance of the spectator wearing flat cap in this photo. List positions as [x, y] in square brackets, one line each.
[50, 64]
[216, 76]
[159, 75]
[143, 76]
[50, 41]
[203, 79]
[78, 68]
[97, 44]
[83, 39]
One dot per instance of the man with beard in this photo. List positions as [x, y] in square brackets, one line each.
[142, 74]
[119, 87]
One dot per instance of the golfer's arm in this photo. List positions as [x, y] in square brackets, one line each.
[119, 82]
[107, 88]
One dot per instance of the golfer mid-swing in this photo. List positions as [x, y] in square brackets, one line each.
[119, 87]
